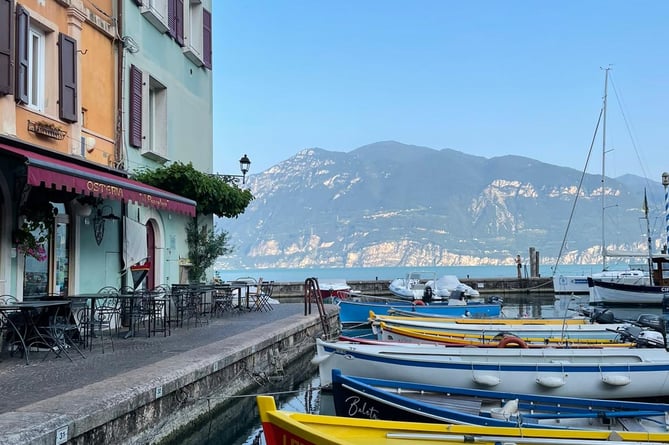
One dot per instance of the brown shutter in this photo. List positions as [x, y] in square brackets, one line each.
[135, 114]
[22, 34]
[206, 38]
[67, 67]
[179, 18]
[6, 32]
[171, 18]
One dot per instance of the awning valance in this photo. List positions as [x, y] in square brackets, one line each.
[49, 172]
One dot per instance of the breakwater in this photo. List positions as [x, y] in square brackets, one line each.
[486, 286]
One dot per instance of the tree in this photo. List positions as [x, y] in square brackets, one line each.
[204, 246]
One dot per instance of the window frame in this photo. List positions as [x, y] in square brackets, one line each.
[156, 12]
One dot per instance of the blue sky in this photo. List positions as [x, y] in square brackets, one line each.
[488, 78]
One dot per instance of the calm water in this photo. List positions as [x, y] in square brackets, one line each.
[239, 424]
[389, 273]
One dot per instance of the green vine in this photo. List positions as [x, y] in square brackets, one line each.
[214, 196]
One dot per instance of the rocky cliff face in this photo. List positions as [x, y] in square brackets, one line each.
[390, 204]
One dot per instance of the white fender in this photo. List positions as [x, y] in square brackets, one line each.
[551, 381]
[486, 379]
[616, 380]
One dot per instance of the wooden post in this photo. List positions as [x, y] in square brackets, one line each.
[531, 257]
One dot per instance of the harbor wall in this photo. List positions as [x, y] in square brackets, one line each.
[486, 286]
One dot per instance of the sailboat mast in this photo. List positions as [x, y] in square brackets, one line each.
[603, 191]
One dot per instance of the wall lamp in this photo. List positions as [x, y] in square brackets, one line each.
[102, 214]
[244, 166]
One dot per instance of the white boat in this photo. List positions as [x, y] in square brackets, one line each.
[458, 290]
[578, 284]
[572, 328]
[418, 286]
[603, 373]
[643, 293]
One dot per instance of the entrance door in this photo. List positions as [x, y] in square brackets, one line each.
[151, 252]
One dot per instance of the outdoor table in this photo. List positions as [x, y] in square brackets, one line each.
[31, 329]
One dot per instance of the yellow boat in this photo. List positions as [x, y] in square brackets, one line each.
[417, 335]
[290, 428]
[487, 320]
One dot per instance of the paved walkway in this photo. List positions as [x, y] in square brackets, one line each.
[22, 385]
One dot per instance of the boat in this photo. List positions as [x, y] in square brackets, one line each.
[281, 427]
[458, 290]
[504, 339]
[333, 289]
[418, 286]
[578, 284]
[572, 328]
[371, 398]
[357, 312]
[603, 373]
[640, 293]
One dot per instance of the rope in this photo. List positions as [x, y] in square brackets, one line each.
[578, 191]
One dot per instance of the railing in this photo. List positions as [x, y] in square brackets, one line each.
[312, 292]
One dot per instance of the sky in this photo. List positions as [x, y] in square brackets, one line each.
[487, 78]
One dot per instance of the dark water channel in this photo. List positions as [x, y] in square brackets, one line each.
[238, 423]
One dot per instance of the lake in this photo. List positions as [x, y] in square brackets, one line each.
[238, 423]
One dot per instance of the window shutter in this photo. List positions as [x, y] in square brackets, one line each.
[6, 29]
[67, 67]
[22, 32]
[138, 2]
[135, 124]
[206, 38]
[179, 18]
[171, 18]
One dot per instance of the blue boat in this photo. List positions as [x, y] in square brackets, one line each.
[357, 312]
[399, 400]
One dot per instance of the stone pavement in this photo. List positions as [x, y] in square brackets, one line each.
[22, 385]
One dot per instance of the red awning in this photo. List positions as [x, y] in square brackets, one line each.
[55, 173]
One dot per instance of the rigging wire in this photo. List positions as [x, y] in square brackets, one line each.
[578, 191]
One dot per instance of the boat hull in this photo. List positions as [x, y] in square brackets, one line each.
[284, 427]
[353, 312]
[625, 294]
[593, 373]
[367, 398]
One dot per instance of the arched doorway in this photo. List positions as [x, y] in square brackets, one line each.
[151, 252]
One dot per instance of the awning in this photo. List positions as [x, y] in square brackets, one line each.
[49, 172]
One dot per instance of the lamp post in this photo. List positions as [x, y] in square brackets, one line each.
[665, 183]
[244, 166]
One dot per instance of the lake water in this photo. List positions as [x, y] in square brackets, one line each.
[390, 273]
[238, 423]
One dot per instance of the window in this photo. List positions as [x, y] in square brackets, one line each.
[148, 114]
[195, 31]
[155, 144]
[36, 62]
[155, 11]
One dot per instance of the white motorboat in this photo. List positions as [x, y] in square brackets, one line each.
[419, 286]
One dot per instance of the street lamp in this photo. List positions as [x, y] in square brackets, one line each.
[665, 183]
[244, 166]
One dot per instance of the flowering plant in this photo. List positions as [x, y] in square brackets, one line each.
[35, 230]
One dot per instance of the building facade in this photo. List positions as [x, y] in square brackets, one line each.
[76, 119]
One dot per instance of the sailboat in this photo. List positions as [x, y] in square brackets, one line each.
[651, 293]
[633, 275]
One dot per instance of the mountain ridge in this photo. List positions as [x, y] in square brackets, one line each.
[394, 204]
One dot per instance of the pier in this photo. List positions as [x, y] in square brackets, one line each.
[486, 286]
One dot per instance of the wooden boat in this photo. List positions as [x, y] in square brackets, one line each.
[369, 398]
[400, 334]
[357, 312]
[603, 373]
[283, 428]
[521, 327]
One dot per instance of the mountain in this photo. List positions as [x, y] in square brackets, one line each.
[391, 204]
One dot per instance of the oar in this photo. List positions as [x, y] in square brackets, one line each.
[468, 438]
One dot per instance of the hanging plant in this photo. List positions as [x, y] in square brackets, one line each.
[32, 235]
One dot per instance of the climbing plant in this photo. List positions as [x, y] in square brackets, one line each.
[214, 195]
